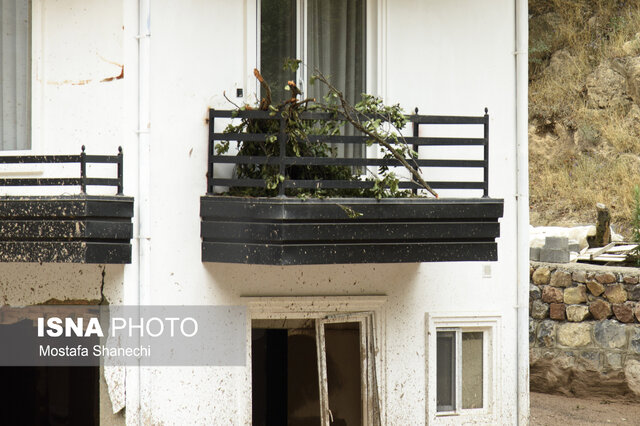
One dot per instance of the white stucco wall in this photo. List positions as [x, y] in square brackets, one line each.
[443, 56]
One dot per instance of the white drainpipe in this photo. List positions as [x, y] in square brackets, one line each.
[140, 267]
[522, 203]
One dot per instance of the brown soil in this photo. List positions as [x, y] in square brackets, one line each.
[552, 410]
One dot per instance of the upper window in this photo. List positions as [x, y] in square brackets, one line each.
[15, 74]
[327, 35]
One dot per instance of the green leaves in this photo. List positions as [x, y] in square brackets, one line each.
[291, 64]
[380, 123]
[274, 180]
[350, 212]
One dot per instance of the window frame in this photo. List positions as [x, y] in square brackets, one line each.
[35, 91]
[366, 310]
[375, 68]
[37, 82]
[490, 325]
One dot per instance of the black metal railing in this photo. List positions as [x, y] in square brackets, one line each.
[282, 160]
[82, 159]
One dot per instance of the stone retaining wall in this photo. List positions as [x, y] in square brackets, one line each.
[584, 329]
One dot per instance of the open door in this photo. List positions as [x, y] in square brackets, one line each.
[332, 335]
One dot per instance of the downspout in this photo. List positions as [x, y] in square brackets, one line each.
[522, 206]
[142, 242]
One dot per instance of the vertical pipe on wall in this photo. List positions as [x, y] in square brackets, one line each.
[522, 203]
[144, 171]
[140, 262]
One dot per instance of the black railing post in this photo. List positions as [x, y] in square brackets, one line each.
[486, 153]
[120, 171]
[211, 151]
[416, 133]
[83, 171]
[282, 139]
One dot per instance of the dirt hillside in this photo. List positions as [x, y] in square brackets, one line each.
[584, 110]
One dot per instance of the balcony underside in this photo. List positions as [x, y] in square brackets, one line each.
[66, 229]
[283, 231]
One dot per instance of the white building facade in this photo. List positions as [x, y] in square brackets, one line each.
[439, 342]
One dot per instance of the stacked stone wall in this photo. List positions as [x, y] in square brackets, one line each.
[584, 329]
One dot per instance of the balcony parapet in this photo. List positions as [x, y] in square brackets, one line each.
[66, 228]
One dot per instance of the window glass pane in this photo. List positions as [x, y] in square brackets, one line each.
[445, 375]
[336, 46]
[472, 370]
[15, 74]
[277, 42]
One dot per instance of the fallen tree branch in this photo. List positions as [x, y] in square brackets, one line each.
[351, 115]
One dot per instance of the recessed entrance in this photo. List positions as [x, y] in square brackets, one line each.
[288, 381]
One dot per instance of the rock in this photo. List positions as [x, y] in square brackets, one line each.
[534, 292]
[632, 375]
[634, 340]
[539, 310]
[615, 293]
[606, 88]
[637, 312]
[629, 279]
[595, 287]
[632, 47]
[605, 278]
[560, 61]
[624, 312]
[574, 335]
[541, 276]
[547, 333]
[560, 279]
[590, 360]
[541, 36]
[600, 309]
[634, 293]
[557, 311]
[610, 334]
[532, 332]
[577, 313]
[614, 360]
[632, 71]
[579, 276]
[552, 295]
[575, 295]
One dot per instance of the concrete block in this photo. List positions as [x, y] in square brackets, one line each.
[556, 243]
[554, 255]
[574, 246]
[534, 253]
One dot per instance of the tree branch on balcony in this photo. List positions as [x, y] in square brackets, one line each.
[370, 128]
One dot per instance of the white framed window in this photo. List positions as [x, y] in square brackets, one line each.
[319, 32]
[15, 74]
[462, 370]
[327, 35]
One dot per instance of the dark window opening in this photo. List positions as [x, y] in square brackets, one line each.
[47, 396]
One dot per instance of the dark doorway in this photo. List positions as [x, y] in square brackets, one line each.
[47, 396]
[285, 387]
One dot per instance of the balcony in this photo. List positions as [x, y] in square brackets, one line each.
[290, 230]
[66, 228]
